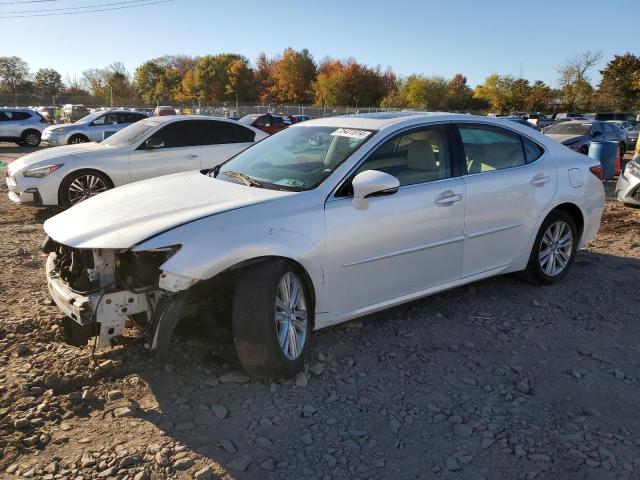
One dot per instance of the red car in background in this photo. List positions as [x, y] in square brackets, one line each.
[266, 122]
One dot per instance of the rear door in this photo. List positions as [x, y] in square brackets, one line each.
[4, 118]
[179, 152]
[14, 124]
[221, 140]
[509, 181]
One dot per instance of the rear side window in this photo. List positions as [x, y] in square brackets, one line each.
[488, 148]
[532, 151]
[213, 132]
[14, 116]
[177, 134]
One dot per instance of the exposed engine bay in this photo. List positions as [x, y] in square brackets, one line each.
[100, 289]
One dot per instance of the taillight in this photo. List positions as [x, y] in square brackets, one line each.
[597, 171]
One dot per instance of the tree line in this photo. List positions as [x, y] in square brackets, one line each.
[295, 77]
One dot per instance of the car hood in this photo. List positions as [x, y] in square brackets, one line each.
[51, 155]
[565, 138]
[125, 216]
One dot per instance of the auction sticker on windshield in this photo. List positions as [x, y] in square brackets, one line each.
[351, 133]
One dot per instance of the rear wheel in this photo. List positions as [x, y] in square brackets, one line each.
[81, 185]
[77, 139]
[30, 138]
[553, 250]
[272, 320]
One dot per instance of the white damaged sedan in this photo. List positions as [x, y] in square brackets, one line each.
[326, 221]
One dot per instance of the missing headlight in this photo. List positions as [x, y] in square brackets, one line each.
[141, 270]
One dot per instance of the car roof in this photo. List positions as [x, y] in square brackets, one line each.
[16, 109]
[380, 120]
[174, 118]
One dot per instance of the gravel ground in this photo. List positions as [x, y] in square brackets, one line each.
[496, 380]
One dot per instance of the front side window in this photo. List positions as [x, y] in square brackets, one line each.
[296, 159]
[108, 119]
[177, 134]
[418, 156]
[489, 148]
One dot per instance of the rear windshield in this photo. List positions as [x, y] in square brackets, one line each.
[570, 129]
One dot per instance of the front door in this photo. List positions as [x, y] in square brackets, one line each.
[509, 182]
[180, 152]
[101, 125]
[402, 243]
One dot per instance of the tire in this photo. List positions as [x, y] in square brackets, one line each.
[258, 294]
[77, 138]
[551, 268]
[80, 185]
[30, 138]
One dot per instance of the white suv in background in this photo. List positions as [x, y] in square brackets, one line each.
[22, 126]
[94, 127]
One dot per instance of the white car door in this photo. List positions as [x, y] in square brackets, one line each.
[404, 242]
[509, 182]
[221, 140]
[173, 148]
[101, 125]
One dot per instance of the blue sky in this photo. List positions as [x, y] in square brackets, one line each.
[476, 38]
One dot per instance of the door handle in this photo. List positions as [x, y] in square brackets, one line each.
[448, 199]
[540, 180]
[191, 155]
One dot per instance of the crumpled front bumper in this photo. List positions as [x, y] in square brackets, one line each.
[102, 313]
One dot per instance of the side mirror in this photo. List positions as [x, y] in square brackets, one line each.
[596, 134]
[153, 142]
[371, 183]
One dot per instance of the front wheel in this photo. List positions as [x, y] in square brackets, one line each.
[79, 186]
[553, 250]
[272, 320]
[77, 139]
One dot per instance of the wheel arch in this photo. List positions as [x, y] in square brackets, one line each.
[574, 211]
[297, 266]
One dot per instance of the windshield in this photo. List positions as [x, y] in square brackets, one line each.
[296, 159]
[89, 118]
[570, 129]
[131, 135]
[249, 119]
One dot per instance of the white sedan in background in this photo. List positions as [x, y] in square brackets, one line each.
[328, 220]
[148, 148]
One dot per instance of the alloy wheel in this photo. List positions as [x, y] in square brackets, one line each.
[85, 186]
[291, 316]
[32, 139]
[555, 248]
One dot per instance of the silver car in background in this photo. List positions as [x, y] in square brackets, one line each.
[22, 126]
[628, 186]
[578, 134]
[94, 127]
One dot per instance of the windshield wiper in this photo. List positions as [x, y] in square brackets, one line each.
[246, 179]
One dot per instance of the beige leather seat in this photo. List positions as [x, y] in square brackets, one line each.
[422, 164]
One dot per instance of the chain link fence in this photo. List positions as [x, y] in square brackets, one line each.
[221, 109]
